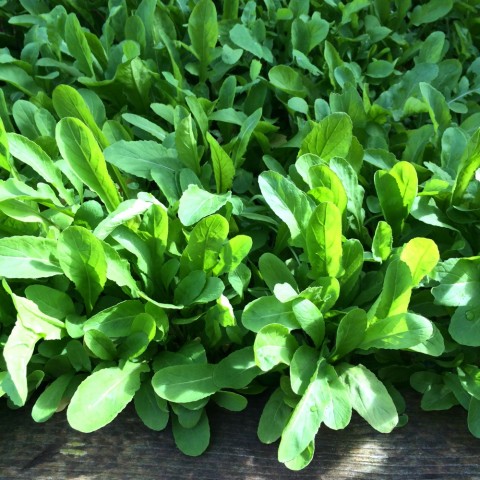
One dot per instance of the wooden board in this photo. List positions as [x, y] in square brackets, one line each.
[433, 445]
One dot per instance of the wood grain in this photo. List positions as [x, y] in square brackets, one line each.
[433, 445]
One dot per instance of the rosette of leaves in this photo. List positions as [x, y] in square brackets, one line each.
[329, 299]
[108, 299]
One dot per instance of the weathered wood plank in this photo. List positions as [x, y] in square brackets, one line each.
[434, 445]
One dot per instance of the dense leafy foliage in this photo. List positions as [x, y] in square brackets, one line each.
[201, 201]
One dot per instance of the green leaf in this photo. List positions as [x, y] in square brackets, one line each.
[230, 401]
[275, 271]
[397, 289]
[5, 161]
[330, 138]
[382, 241]
[430, 12]
[48, 402]
[17, 353]
[32, 155]
[103, 395]
[69, 103]
[310, 319]
[273, 345]
[77, 45]
[28, 257]
[469, 163]
[305, 421]
[421, 255]
[203, 33]
[236, 370]
[223, 167]
[288, 202]
[100, 345]
[369, 398]
[192, 441]
[459, 282]
[350, 333]
[267, 310]
[186, 144]
[465, 325]
[83, 261]
[474, 417]
[152, 410]
[205, 244]
[115, 321]
[324, 241]
[274, 417]
[232, 254]
[196, 204]
[437, 107]
[185, 383]
[287, 80]
[397, 332]
[82, 153]
[396, 190]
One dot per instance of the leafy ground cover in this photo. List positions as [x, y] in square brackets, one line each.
[201, 201]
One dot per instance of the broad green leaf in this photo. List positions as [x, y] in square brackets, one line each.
[305, 421]
[83, 261]
[310, 319]
[192, 441]
[396, 190]
[322, 177]
[123, 213]
[474, 417]
[82, 153]
[369, 398]
[203, 33]
[145, 125]
[152, 410]
[437, 107]
[397, 289]
[266, 310]
[330, 138]
[421, 255]
[287, 80]
[469, 163]
[196, 204]
[100, 345]
[465, 325]
[232, 254]
[324, 240]
[48, 402]
[115, 321]
[303, 367]
[243, 137]
[5, 161]
[430, 12]
[190, 287]
[205, 244]
[185, 383]
[274, 417]
[230, 401]
[28, 257]
[382, 241]
[17, 353]
[69, 103]
[273, 345]
[288, 202]
[223, 167]
[236, 370]
[275, 271]
[400, 331]
[78, 46]
[31, 154]
[103, 395]
[50, 301]
[186, 144]
[459, 282]
[350, 333]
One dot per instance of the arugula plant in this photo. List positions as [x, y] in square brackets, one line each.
[221, 198]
